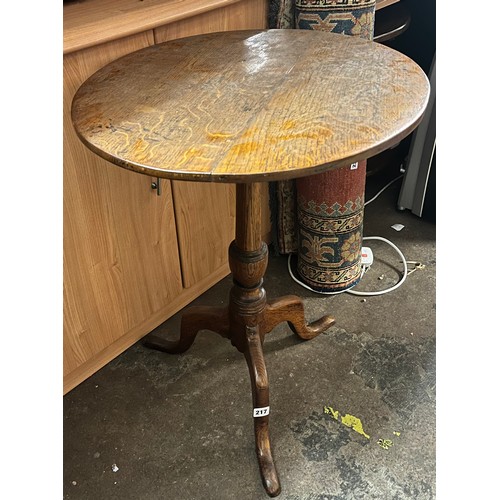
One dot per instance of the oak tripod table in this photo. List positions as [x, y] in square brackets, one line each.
[247, 107]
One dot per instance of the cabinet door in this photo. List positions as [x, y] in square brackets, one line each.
[121, 261]
[205, 212]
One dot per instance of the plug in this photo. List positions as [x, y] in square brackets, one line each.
[366, 256]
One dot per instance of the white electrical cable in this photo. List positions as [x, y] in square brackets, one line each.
[364, 269]
[382, 190]
[398, 284]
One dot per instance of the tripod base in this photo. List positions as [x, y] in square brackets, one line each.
[247, 319]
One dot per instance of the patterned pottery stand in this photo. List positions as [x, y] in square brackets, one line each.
[327, 208]
[349, 17]
[330, 221]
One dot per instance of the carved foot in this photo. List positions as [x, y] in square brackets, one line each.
[192, 321]
[260, 395]
[291, 309]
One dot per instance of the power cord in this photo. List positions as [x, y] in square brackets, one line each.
[364, 268]
[390, 289]
[383, 189]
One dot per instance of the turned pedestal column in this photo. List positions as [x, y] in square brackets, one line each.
[247, 319]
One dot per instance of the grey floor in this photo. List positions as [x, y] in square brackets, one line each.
[155, 426]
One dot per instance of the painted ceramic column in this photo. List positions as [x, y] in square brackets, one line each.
[330, 228]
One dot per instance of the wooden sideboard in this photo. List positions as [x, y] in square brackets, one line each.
[134, 257]
[384, 3]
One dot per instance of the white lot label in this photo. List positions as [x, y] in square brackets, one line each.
[261, 412]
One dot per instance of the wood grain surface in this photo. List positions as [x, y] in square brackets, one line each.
[242, 15]
[203, 239]
[91, 22]
[250, 105]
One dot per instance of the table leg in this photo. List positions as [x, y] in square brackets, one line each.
[291, 309]
[248, 318]
[260, 398]
[193, 320]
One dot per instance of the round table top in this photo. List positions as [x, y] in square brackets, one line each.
[247, 106]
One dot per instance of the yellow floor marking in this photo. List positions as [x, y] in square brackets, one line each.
[348, 420]
[334, 413]
[385, 443]
[355, 423]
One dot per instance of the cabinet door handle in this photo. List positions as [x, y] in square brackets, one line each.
[156, 185]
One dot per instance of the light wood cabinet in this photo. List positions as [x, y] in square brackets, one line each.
[132, 258]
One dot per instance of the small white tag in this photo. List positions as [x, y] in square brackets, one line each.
[261, 412]
[397, 227]
[354, 166]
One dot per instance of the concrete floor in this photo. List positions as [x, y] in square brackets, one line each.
[155, 426]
